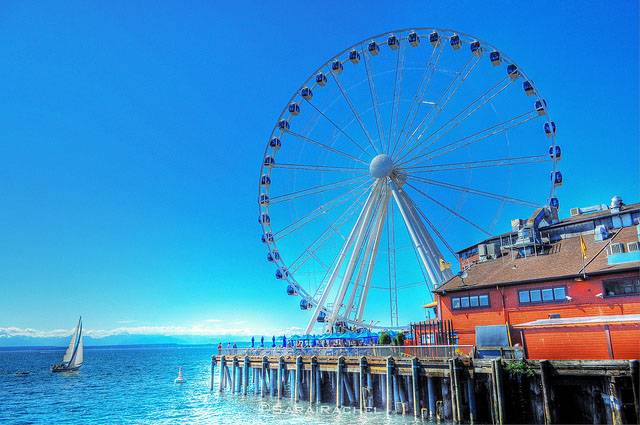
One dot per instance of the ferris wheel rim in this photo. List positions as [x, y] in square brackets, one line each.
[402, 35]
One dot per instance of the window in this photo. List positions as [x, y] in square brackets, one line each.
[621, 287]
[472, 301]
[543, 295]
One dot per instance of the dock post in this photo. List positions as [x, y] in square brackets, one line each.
[245, 371]
[223, 362]
[234, 369]
[615, 404]
[369, 389]
[547, 391]
[298, 379]
[339, 384]
[496, 372]
[265, 368]
[213, 371]
[415, 391]
[445, 386]
[361, 383]
[256, 380]
[471, 395]
[389, 389]
[272, 382]
[634, 368]
[312, 380]
[457, 389]
[318, 384]
[280, 376]
[431, 396]
[347, 386]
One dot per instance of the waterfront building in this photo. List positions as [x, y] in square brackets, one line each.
[560, 289]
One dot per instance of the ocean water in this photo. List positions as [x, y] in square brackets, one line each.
[136, 385]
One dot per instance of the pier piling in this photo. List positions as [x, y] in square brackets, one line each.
[245, 371]
[213, 371]
[415, 391]
[223, 362]
[389, 386]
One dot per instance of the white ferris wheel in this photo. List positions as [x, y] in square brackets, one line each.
[390, 156]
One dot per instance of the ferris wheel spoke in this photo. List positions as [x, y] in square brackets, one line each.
[397, 90]
[474, 138]
[326, 147]
[377, 235]
[459, 118]
[337, 127]
[391, 269]
[325, 235]
[435, 230]
[321, 168]
[465, 189]
[356, 253]
[374, 99]
[450, 210]
[321, 303]
[318, 212]
[354, 110]
[315, 190]
[412, 112]
[441, 103]
[486, 163]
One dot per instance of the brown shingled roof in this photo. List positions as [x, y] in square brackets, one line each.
[563, 261]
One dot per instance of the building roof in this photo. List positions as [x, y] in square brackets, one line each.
[580, 218]
[584, 321]
[591, 216]
[564, 260]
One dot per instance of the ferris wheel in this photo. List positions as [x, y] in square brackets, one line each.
[390, 156]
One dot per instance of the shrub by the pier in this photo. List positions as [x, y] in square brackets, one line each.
[384, 338]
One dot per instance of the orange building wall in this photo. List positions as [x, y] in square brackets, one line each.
[505, 308]
[569, 342]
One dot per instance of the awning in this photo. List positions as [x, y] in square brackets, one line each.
[432, 304]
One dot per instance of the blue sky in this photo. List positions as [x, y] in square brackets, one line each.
[132, 137]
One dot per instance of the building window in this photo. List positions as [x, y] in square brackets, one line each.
[622, 287]
[544, 295]
[472, 301]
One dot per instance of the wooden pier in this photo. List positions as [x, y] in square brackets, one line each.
[457, 389]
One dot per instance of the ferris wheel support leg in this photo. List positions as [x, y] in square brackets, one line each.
[355, 255]
[369, 251]
[428, 242]
[415, 236]
[338, 265]
[372, 260]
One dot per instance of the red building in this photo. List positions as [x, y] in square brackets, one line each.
[552, 301]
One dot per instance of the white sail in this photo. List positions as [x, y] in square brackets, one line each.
[68, 355]
[77, 361]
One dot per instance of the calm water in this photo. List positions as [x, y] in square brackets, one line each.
[136, 386]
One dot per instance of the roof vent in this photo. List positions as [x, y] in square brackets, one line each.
[588, 210]
[616, 203]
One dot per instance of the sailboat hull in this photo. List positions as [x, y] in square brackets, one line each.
[63, 368]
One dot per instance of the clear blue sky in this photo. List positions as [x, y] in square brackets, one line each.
[132, 136]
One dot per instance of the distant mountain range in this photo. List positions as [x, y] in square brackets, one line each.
[122, 339]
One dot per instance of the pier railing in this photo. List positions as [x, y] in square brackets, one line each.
[429, 351]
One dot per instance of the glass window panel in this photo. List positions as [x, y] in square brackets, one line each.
[524, 296]
[484, 300]
[535, 296]
[559, 293]
[547, 294]
[473, 301]
[464, 302]
[455, 302]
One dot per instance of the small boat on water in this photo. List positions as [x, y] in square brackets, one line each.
[180, 379]
[74, 355]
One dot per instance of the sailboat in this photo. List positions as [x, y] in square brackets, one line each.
[74, 355]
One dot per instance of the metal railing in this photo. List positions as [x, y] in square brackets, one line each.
[425, 351]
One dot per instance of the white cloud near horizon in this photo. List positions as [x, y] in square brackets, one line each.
[212, 327]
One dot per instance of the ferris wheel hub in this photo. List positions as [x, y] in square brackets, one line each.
[381, 166]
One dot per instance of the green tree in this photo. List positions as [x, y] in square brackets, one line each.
[384, 338]
[399, 339]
